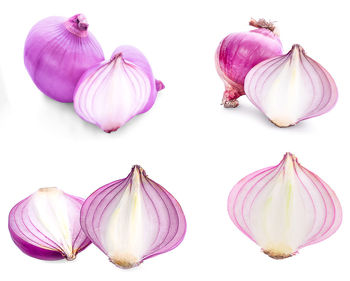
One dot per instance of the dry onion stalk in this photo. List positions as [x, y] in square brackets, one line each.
[291, 88]
[284, 208]
[46, 225]
[133, 219]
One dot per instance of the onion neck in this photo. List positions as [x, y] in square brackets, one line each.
[77, 25]
[297, 50]
[118, 57]
[261, 23]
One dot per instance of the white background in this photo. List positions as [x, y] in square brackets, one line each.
[187, 142]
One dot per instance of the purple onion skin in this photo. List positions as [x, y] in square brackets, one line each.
[57, 52]
[36, 252]
[159, 85]
[238, 53]
[33, 251]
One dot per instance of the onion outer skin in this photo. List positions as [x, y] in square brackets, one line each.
[239, 52]
[111, 93]
[284, 208]
[49, 250]
[57, 52]
[291, 88]
[150, 222]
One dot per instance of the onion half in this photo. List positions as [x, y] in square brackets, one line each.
[291, 88]
[284, 208]
[113, 92]
[133, 219]
[46, 225]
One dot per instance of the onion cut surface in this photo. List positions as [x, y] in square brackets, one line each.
[284, 208]
[133, 219]
[113, 92]
[291, 88]
[46, 225]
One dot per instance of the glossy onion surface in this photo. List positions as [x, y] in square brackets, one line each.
[57, 52]
[239, 52]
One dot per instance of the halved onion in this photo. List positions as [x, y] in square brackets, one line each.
[46, 225]
[284, 208]
[133, 219]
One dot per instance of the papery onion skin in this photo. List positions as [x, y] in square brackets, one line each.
[31, 236]
[133, 219]
[113, 92]
[239, 52]
[57, 52]
[284, 208]
[291, 88]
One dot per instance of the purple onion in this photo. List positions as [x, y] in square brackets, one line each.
[113, 92]
[291, 88]
[284, 208]
[239, 52]
[133, 219]
[46, 225]
[57, 52]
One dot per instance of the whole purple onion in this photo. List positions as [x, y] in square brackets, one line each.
[239, 52]
[57, 52]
